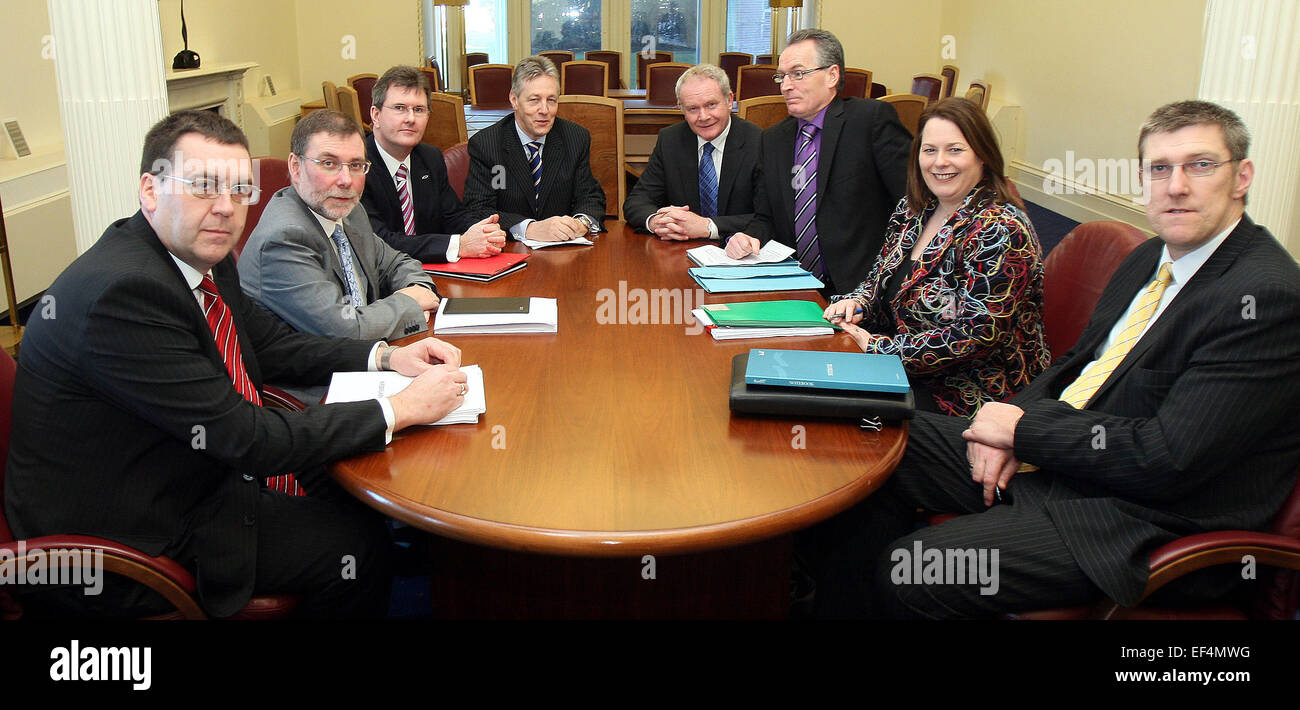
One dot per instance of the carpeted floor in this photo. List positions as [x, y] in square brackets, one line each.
[1050, 226]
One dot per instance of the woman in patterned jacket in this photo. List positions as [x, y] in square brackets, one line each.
[957, 289]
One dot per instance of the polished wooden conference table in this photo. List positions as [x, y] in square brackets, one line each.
[612, 438]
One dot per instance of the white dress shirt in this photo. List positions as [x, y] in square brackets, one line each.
[453, 245]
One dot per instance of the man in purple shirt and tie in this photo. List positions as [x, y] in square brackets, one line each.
[832, 172]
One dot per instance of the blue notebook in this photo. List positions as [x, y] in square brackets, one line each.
[748, 272]
[758, 283]
[860, 372]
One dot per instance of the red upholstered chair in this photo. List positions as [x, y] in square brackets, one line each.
[878, 90]
[928, 85]
[949, 74]
[457, 159]
[471, 59]
[171, 581]
[1275, 593]
[489, 85]
[661, 82]
[433, 64]
[642, 62]
[615, 61]
[856, 82]
[557, 56]
[364, 84]
[730, 62]
[434, 78]
[588, 78]
[1076, 272]
[756, 80]
[765, 59]
[271, 175]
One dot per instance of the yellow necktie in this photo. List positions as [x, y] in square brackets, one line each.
[1082, 389]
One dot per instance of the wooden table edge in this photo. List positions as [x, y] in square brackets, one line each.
[598, 543]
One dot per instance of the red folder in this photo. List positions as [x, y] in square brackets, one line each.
[485, 269]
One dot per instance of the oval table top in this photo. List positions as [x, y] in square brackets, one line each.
[613, 437]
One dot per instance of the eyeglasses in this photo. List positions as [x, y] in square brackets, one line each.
[209, 189]
[403, 108]
[797, 75]
[356, 167]
[1196, 168]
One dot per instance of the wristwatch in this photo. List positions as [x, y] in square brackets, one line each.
[592, 227]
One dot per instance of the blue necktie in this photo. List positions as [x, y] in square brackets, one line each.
[708, 184]
[349, 266]
[535, 160]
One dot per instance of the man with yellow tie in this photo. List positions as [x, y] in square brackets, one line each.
[1174, 414]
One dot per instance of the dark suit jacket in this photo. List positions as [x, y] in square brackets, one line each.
[438, 211]
[1194, 431]
[126, 425]
[672, 177]
[568, 187]
[861, 174]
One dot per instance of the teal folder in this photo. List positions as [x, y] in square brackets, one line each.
[759, 283]
[860, 372]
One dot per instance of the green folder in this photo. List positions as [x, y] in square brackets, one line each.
[768, 314]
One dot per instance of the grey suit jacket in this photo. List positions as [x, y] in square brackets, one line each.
[290, 266]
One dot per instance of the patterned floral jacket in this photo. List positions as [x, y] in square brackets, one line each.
[967, 322]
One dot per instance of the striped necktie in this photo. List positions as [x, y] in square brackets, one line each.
[805, 203]
[535, 161]
[222, 323]
[708, 184]
[1083, 388]
[404, 197]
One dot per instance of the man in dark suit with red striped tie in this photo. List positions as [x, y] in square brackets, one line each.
[137, 410]
[1174, 414]
[407, 196]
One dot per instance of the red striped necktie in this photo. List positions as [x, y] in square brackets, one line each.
[404, 197]
[222, 323]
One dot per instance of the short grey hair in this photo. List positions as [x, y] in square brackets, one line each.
[530, 68]
[1181, 114]
[829, 49]
[704, 71]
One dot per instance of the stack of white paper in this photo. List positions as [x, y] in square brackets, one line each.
[538, 244]
[722, 332]
[542, 317]
[358, 386]
[709, 255]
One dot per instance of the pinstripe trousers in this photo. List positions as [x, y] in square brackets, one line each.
[852, 557]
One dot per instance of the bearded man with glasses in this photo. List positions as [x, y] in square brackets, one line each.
[314, 259]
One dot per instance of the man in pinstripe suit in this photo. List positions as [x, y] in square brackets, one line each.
[1174, 414]
[533, 167]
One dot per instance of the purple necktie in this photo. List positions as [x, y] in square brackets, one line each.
[805, 202]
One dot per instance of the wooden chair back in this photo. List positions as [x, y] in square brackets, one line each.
[446, 126]
[763, 111]
[603, 119]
